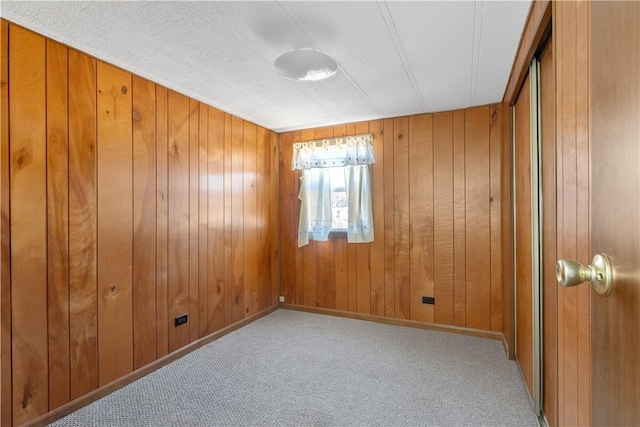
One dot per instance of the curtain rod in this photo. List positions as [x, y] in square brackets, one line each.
[334, 139]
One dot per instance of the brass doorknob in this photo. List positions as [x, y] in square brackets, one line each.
[599, 273]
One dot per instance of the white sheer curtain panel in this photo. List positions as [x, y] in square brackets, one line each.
[355, 154]
[315, 206]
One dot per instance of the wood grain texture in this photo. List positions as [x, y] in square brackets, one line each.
[274, 224]
[459, 220]
[363, 251]
[615, 209]
[83, 224]
[401, 217]
[28, 190]
[443, 218]
[389, 220]
[523, 262]
[203, 220]
[216, 259]
[377, 277]
[144, 222]
[250, 235]
[194, 211]
[263, 255]
[115, 223]
[287, 226]
[5, 234]
[178, 218]
[495, 153]
[228, 221]
[58, 224]
[478, 292]
[126, 189]
[378, 245]
[549, 282]
[162, 222]
[421, 216]
[506, 219]
[237, 219]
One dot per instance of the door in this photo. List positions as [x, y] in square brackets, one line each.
[615, 207]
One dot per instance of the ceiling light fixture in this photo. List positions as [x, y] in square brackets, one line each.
[306, 65]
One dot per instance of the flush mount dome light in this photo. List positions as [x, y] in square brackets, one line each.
[306, 65]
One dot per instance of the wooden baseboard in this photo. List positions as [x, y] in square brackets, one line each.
[398, 322]
[99, 393]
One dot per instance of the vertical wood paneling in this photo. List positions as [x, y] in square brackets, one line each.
[363, 254]
[523, 235]
[325, 254]
[28, 181]
[433, 183]
[5, 234]
[421, 215]
[401, 218]
[162, 225]
[571, 39]
[217, 202]
[309, 287]
[351, 255]
[237, 219]
[389, 220]
[58, 224]
[550, 284]
[459, 220]
[378, 245]
[178, 220]
[250, 243]
[115, 223]
[298, 253]
[203, 220]
[194, 165]
[478, 222]
[583, 231]
[288, 226]
[144, 222]
[274, 212]
[495, 140]
[262, 190]
[121, 194]
[228, 221]
[83, 248]
[443, 218]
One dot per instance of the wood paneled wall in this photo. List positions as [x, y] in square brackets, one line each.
[124, 204]
[436, 207]
[571, 36]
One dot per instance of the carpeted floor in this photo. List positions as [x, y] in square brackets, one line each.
[299, 369]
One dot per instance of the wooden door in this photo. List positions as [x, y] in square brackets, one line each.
[523, 244]
[615, 222]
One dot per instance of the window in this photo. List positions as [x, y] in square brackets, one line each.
[339, 201]
[335, 188]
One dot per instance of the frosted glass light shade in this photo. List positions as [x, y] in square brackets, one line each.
[305, 65]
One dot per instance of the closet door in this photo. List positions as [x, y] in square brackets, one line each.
[523, 235]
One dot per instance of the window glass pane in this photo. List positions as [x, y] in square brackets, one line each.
[339, 202]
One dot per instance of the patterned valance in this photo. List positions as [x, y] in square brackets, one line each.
[333, 152]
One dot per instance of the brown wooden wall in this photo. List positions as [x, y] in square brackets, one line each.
[436, 207]
[124, 204]
[571, 36]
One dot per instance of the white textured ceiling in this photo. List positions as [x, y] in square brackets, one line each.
[394, 58]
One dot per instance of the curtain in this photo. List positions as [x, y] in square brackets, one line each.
[315, 206]
[360, 228]
[312, 158]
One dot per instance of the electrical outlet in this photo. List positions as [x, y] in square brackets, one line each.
[182, 319]
[428, 300]
[281, 298]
